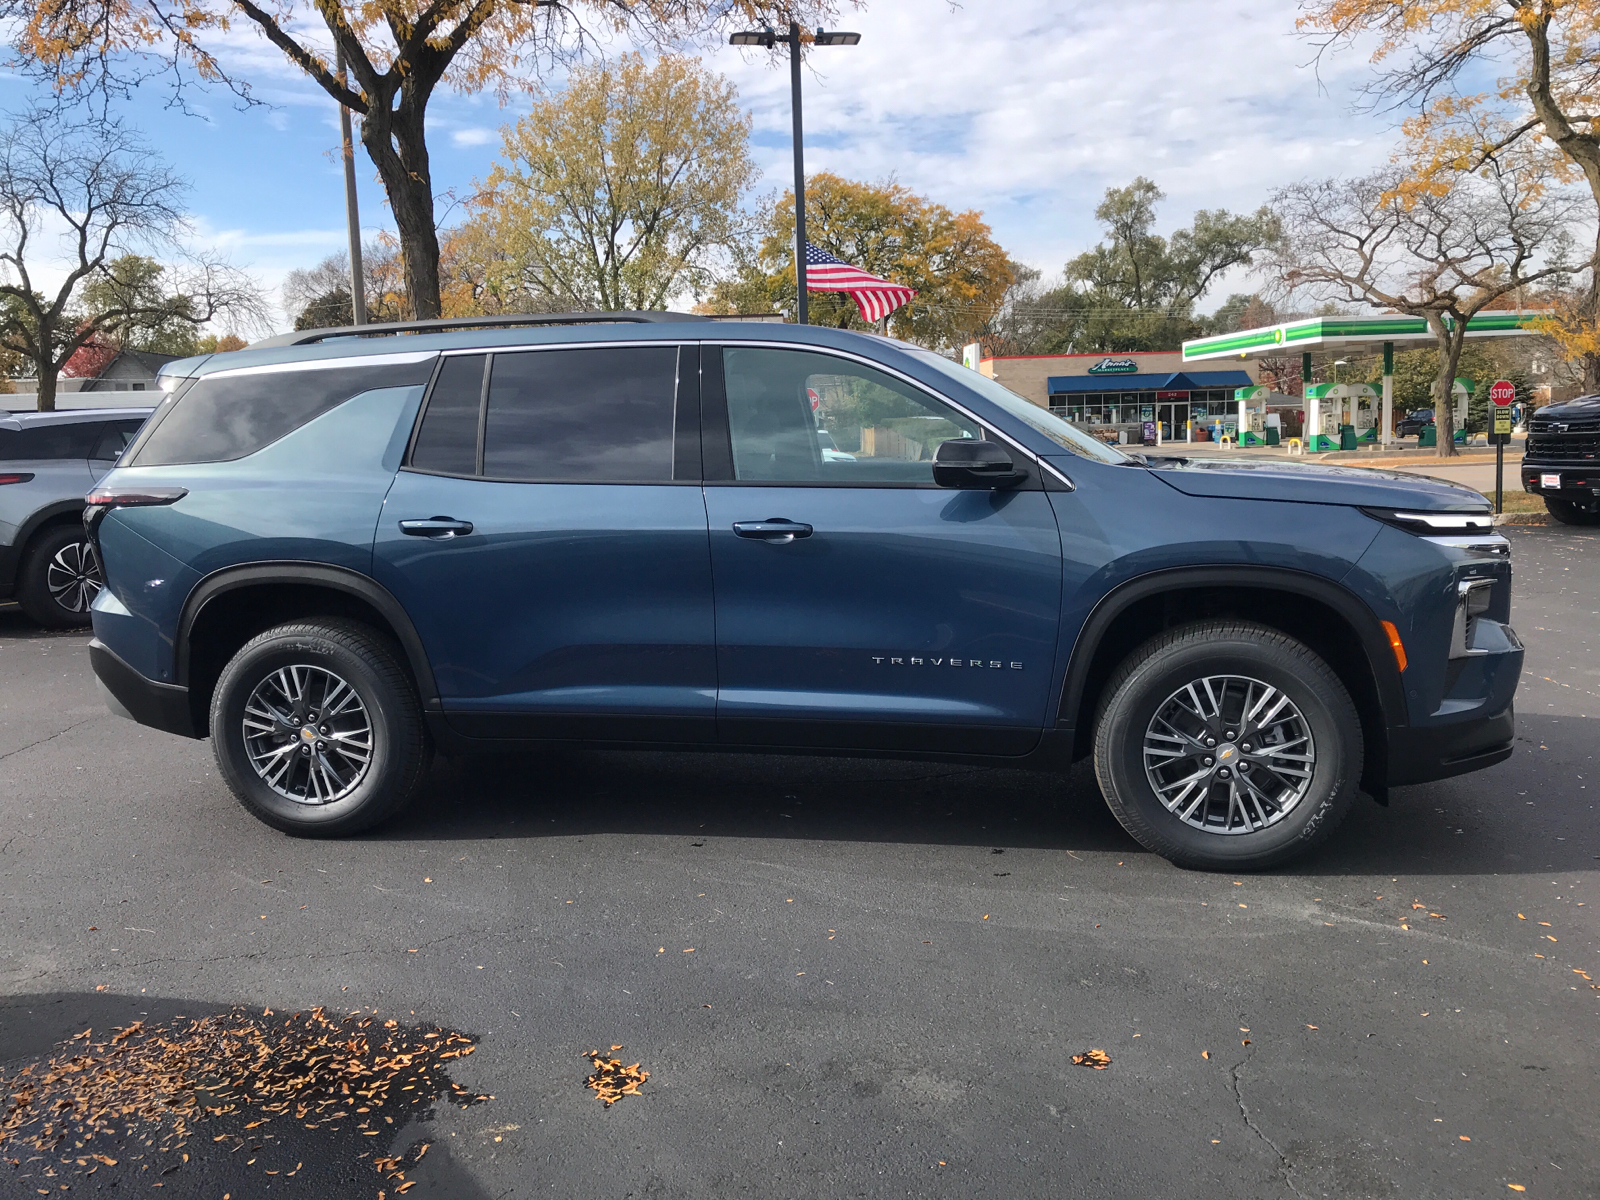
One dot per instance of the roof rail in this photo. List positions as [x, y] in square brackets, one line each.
[308, 337]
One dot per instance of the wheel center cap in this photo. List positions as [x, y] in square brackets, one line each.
[308, 734]
[1227, 753]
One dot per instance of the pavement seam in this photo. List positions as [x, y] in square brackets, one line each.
[52, 737]
[1284, 1166]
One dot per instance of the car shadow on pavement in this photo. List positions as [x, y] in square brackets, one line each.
[1472, 824]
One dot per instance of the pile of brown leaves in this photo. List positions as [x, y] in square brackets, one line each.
[157, 1084]
[1097, 1059]
[611, 1080]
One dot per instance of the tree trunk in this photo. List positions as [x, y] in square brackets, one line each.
[47, 388]
[394, 140]
[1444, 416]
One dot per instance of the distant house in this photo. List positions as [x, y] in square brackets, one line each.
[96, 369]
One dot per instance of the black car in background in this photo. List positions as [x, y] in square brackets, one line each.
[1411, 424]
[1562, 460]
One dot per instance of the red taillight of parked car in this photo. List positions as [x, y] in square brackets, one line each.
[134, 497]
[16, 477]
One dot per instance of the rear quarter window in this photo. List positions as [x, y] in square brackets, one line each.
[69, 439]
[230, 414]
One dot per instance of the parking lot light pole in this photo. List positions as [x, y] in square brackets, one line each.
[769, 39]
[352, 211]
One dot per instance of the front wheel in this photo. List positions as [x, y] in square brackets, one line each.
[1574, 512]
[1227, 745]
[317, 728]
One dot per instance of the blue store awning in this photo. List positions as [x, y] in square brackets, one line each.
[1176, 381]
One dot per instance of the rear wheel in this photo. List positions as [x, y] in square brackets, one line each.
[60, 578]
[1574, 512]
[1227, 745]
[317, 728]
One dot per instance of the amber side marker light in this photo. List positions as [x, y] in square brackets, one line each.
[1395, 644]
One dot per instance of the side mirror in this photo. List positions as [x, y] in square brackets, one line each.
[963, 463]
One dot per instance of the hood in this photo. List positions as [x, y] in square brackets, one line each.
[1314, 483]
[1583, 411]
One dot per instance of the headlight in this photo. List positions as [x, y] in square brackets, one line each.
[1470, 531]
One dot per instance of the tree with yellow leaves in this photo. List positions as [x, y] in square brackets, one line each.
[959, 271]
[1544, 112]
[617, 192]
[398, 53]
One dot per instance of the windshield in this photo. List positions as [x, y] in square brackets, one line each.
[1068, 436]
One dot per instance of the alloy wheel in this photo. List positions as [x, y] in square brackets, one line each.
[1229, 754]
[308, 734]
[73, 577]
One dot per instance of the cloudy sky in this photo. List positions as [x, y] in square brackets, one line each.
[1025, 109]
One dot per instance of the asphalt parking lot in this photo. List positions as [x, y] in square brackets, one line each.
[845, 978]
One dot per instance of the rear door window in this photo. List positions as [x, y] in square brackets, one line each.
[230, 414]
[115, 438]
[591, 415]
[65, 440]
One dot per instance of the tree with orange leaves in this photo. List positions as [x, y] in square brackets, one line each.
[398, 53]
[1543, 114]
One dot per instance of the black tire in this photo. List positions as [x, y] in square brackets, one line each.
[1150, 679]
[60, 578]
[398, 747]
[1574, 512]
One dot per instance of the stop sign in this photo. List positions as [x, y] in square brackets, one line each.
[1502, 392]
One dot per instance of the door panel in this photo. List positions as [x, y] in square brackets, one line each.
[859, 605]
[571, 597]
[570, 610]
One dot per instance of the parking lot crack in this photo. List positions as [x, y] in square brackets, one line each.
[48, 738]
[1285, 1167]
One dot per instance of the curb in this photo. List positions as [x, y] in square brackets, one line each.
[1533, 518]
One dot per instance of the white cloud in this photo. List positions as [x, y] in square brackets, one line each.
[474, 136]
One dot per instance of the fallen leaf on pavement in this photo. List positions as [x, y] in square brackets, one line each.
[1099, 1060]
[611, 1080]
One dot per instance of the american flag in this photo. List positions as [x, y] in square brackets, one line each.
[876, 298]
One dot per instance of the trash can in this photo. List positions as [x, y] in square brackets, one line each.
[1272, 435]
[1429, 435]
[1347, 437]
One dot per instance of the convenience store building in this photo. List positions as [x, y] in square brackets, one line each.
[1117, 394]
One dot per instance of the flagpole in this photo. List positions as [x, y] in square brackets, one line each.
[799, 176]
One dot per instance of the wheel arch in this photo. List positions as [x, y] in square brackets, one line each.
[1324, 615]
[228, 607]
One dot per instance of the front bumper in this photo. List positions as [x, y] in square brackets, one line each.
[1574, 480]
[1441, 751]
[127, 693]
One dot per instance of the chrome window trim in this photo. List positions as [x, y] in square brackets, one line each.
[328, 364]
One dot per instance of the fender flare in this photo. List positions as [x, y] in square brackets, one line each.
[289, 571]
[11, 556]
[1361, 618]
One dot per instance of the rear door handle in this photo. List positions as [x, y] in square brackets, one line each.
[778, 530]
[436, 527]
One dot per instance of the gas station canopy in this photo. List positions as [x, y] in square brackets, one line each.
[1347, 334]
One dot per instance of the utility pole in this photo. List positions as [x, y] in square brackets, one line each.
[799, 175]
[352, 210]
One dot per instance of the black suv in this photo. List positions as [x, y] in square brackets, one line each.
[1562, 460]
[1411, 424]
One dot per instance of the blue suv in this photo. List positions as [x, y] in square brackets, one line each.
[339, 551]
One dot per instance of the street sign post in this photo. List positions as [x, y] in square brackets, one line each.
[1501, 396]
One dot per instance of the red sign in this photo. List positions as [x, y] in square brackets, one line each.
[1503, 392]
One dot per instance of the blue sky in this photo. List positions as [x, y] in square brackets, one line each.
[1026, 109]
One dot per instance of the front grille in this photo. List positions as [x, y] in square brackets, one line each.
[1562, 445]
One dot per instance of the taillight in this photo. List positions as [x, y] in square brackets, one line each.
[16, 477]
[134, 497]
[103, 499]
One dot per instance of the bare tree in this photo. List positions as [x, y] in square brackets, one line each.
[81, 201]
[1443, 253]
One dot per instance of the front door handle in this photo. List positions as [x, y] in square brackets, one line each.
[778, 530]
[436, 527]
